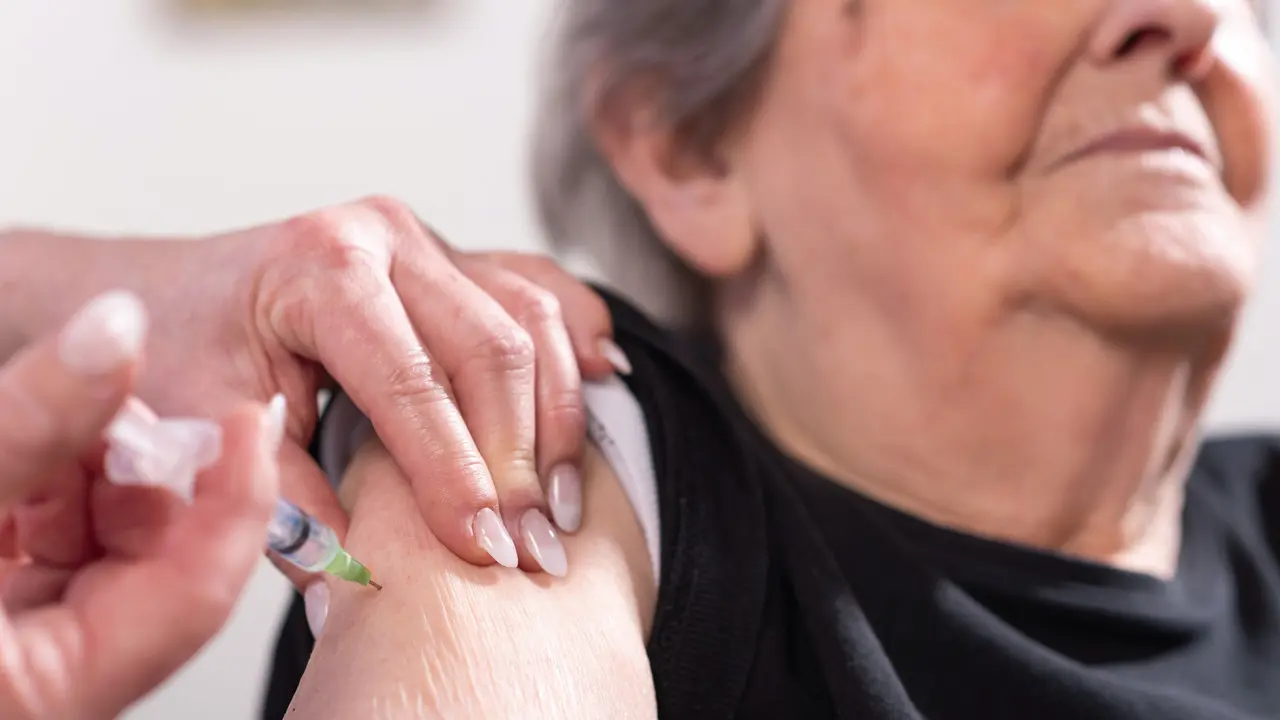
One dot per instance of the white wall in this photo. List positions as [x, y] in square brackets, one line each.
[118, 116]
[122, 115]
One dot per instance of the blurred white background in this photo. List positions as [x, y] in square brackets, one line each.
[128, 116]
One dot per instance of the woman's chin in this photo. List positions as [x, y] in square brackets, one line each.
[1185, 286]
[1189, 317]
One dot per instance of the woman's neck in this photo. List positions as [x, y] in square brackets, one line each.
[1031, 430]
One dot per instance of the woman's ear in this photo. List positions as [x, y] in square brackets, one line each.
[694, 197]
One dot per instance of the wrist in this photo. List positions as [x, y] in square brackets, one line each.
[45, 277]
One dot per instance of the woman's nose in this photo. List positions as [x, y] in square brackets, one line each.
[1177, 30]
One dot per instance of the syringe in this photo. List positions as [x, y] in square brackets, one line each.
[312, 545]
[143, 449]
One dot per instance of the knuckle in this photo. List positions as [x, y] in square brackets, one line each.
[518, 479]
[330, 274]
[397, 215]
[338, 238]
[536, 306]
[461, 468]
[339, 256]
[505, 349]
[415, 383]
[517, 486]
[317, 229]
[389, 207]
[565, 418]
[520, 496]
[565, 412]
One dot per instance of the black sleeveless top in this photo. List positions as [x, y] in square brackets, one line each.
[784, 595]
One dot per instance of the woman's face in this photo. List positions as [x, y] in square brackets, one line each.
[1105, 159]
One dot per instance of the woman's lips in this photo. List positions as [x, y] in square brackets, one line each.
[1141, 140]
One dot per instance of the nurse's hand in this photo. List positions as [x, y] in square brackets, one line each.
[115, 587]
[469, 370]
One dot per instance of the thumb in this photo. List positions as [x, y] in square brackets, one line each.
[58, 395]
[126, 623]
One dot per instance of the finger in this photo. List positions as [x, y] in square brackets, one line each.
[129, 621]
[359, 330]
[54, 529]
[132, 520]
[59, 394]
[34, 586]
[586, 315]
[490, 361]
[10, 556]
[8, 535]
[561, 417]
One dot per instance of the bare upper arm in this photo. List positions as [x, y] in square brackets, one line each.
[448, 639]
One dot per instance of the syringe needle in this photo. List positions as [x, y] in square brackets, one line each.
[376, 586]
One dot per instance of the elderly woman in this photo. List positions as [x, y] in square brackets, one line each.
[955, 281]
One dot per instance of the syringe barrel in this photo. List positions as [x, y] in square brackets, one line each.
[300, 538]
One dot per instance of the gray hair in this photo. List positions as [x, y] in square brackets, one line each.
[708, 56]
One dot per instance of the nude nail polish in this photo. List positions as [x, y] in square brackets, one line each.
[564, 497]
[276, 421]
[316, 601]
[616, 357]
[543, 544]
[105, 334]
[493, 538]
[201, 439]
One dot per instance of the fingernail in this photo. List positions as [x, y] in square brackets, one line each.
[316, 601]
[542, 543]
[105, 334]
[277, 416]
[494, 539]
[618, 359]
[200, 439]
[118, 466]
[169, 470]
[564, 497]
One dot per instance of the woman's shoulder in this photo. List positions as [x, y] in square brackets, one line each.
[1239, 461]
[1238, 475]
[1252, 448]
[708, 486]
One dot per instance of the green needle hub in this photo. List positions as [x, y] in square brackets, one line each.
[348, 568]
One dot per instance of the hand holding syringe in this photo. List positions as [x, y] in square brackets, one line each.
[144, 449]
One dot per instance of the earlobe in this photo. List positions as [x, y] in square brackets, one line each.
[707, 222]
[696, 202]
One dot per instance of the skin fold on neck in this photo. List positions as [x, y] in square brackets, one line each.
[1030, 429]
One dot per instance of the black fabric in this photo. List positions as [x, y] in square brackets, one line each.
[784, 595]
